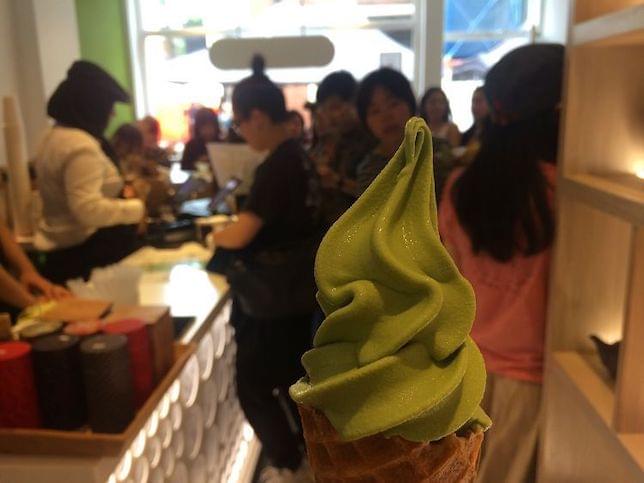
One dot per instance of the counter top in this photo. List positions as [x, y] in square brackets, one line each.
[198, 430]
[176, 278]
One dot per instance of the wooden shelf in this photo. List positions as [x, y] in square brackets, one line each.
[593, 428]
[599, 401]
[614, 194]
[629, 393]
[625, 27]
[589, 9]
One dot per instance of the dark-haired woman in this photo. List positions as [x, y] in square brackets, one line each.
[434, 108]
[150, 128]
[205, 129]
[84, 224]
[297, 129]
[272, 277]
[385, 102]
[141, 173]
[480, 113]
[497, 219]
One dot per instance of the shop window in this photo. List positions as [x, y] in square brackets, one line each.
[175, 74]
[477, 33]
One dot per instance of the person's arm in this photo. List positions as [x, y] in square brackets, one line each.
[29, 277]
[453, 135]
[83, 185]
[329, 179]
[12, 293]
[239, 234]
[349, 186]
[13, 253]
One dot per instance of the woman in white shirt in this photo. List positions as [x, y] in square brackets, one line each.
[84, 223]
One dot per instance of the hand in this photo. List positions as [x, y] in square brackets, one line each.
[35, 283]
[328, 177]
[129, 192]
[59, 292]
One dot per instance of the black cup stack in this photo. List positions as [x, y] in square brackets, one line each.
[108, 383]
[59, 379]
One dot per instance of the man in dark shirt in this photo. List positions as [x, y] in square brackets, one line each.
[342, 147]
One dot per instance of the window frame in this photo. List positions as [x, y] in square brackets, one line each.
[428, 38]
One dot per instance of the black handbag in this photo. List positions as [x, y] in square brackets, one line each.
[272, 282]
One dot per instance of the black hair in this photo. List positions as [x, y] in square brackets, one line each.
[127, 139]
[341, 84]
[293, 114]
[85, 99]
[259, 92]
[203, 117]
[426, 96]
[391, 80]
[152, 123]
[502, 198]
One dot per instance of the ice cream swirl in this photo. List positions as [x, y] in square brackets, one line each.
[393, 354]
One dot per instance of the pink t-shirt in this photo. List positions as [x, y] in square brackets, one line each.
[509, 327]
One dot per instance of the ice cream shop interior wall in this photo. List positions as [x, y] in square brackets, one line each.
[593, 402]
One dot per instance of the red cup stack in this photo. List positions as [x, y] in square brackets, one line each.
[18, 396]
[140, 355]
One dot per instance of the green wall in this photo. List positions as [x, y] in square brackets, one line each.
[102, 31]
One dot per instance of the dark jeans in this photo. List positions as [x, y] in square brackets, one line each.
[268, 359]
[105, 247]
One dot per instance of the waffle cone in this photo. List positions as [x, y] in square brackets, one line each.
[380, 459]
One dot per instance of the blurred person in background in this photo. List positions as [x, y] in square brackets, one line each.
[497, 219]
[318, 129]
[127, 142]
[385, 102]
[296, 126]
[142, 174]
[84, 224]
[273, 245]
[342, 143]
[480, 113]
[471, 139]
[151, 130]
[435, 110]
[205, 129]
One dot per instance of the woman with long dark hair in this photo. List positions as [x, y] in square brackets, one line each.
[497, 218]
[434, 108]
[84, 224]
[480, 114]
[205, 129]
[273, 245]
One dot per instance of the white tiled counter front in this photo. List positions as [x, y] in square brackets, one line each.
[197, 432]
